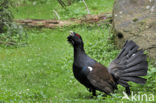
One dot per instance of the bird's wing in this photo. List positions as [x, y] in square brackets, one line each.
[100, 78]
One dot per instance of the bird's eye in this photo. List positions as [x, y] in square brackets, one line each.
[77, 35]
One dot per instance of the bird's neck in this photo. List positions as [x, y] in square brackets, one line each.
[79, 52]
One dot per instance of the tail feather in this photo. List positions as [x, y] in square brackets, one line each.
[129, 45]
[135, 55]
[138, 80]
[137, 60]
[135, 73]
[123, 60]
[137, 67]
[132, 51]
[133, 62]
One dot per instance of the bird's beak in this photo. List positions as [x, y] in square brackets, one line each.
[71, 33]
[69, 38]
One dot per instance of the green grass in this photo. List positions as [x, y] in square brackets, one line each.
[76, 10]
[41, 72]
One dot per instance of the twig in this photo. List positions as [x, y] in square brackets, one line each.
[86, 6]
[58, 17]
[62, 3]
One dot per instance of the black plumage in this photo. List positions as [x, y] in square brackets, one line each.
[129, 65]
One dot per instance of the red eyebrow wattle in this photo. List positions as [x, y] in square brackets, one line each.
[77, 35]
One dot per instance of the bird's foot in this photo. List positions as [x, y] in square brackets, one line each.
[93, 97]
[128, 91]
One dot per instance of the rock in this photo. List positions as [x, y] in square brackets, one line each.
[136, 20]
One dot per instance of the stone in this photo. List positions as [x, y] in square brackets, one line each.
[136, 20]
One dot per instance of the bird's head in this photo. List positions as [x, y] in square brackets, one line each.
[75, 39]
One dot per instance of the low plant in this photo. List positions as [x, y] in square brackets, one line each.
[10, 32]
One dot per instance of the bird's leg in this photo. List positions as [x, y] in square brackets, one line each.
[89, 89]
[128, 90]
[93, 92]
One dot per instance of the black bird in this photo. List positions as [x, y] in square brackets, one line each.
[129, 65]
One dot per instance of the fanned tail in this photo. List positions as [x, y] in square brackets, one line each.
[129, 65]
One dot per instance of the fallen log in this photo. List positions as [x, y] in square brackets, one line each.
[61, 23]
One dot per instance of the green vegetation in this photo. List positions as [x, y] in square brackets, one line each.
[41, 72]
[76, 10]
[10, 32]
